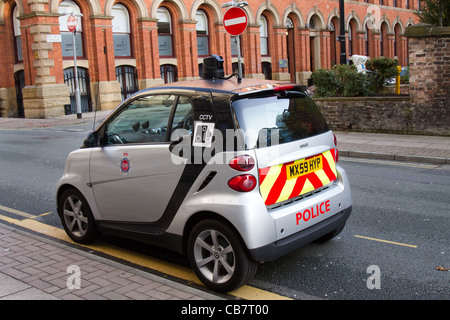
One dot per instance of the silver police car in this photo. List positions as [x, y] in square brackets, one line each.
[230, 172]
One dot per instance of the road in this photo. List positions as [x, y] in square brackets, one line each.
[398, 232]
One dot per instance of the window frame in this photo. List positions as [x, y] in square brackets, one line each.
[264, 36]
[103, 131]
[200, 35]
[64, 31]
[18, 52]
[126, 31]
[166, 12]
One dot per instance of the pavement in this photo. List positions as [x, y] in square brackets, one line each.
[33, 267]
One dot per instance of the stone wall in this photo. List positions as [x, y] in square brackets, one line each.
[391, 114]
[426, 110]
[429, 69]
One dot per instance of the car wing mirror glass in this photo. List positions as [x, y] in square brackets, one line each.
[92, 140]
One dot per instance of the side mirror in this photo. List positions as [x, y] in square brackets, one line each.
[92, 140]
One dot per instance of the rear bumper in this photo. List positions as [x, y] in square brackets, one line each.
[284, 246]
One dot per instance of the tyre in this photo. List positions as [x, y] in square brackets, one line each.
[219, 257]
[76, 217]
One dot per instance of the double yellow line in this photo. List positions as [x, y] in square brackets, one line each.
[30, 223]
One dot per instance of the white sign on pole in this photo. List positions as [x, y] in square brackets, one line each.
[53, 38]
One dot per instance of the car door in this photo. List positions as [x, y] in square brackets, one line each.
[134, 175]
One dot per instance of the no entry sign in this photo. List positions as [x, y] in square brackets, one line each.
[71, 23]
[235, 21]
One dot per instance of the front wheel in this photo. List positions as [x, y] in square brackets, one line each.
[219, 257]
[76, 217]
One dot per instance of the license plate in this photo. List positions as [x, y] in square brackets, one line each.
[302, 167]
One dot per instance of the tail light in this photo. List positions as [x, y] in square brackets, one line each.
[243, 183]
[336, 149]
[242, 163]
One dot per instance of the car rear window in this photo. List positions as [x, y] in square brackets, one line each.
[267, 121]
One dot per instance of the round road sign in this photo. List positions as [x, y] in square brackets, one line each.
[235, 21]
[71, 23]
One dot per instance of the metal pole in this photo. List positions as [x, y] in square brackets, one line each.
[343, 59]
[238, 45]
[77, 89]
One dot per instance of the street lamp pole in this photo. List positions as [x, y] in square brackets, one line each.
[343, 59]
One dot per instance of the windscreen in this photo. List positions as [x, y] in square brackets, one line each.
[268, 121]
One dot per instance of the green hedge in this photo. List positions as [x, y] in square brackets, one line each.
[346, 81]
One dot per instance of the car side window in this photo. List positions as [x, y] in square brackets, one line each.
[183, 122]
[143, 120]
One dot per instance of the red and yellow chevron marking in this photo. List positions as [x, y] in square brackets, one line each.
[285, 181]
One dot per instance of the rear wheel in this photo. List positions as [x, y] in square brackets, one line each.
[76, 217]
[219, 257]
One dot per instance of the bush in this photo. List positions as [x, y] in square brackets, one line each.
[326, 83]
[352, 83]
[380, 71]
[341, 80]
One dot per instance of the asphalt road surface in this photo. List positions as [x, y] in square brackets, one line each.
[394, 246]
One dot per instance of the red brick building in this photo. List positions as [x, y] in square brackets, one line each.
[126, 45]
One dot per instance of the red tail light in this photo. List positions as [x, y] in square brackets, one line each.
[243, 183]
[336, 149]
[242, 163]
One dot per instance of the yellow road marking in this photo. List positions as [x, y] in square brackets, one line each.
[245, 292]
[387, 241]
[17, 212]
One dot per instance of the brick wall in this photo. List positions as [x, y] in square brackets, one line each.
[429, 67]
[367, 114]
[425, 111]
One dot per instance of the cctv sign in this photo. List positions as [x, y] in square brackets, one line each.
[235, 21]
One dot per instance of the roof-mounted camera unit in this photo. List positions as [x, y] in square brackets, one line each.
[213, 68]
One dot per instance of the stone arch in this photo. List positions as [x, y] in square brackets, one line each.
[212, 4]
[333, 14]
[350, 16]
[294, 12]
[178, 4]
[385, 19]
[399, 22]
[272, 10]
[316, 12]
[93, 5]
[140, 6]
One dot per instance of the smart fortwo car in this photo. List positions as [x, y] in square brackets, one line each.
[230, 172]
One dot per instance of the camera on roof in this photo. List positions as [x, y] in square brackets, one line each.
[213, 67]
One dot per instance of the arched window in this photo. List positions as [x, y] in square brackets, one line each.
[202, 33]
[164, 32]
[121, 31]
[383, 39]
[352, 46]
[350, 40]
[68, 6]
[169, 73]
[17, 35]
[127, 77]
[264, 36]
[366, 40]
